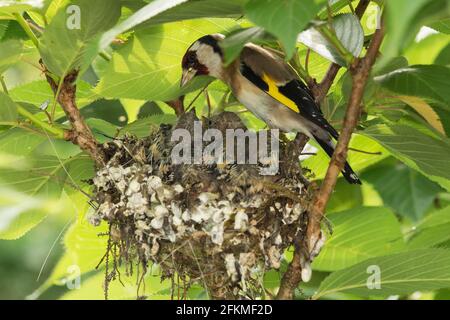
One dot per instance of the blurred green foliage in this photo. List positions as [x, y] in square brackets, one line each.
[129, 54]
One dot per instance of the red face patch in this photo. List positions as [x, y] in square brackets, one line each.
[190, 61]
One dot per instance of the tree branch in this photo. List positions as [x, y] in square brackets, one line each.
[304, 253]
[80, 134]
[177, 105]
[55, 131]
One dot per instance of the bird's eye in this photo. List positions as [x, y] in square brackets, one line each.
[191, 58]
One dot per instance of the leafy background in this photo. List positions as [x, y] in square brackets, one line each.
[399, 219]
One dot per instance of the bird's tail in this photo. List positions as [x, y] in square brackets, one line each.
[347, 171]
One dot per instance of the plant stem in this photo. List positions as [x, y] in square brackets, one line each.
[105, 56]
[296, 64]
[57, 132]
[303, 73]
[320, 91]
[337, 44]
[24, 24]
[4, 87]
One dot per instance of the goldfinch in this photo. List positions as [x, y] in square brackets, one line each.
[267, 86]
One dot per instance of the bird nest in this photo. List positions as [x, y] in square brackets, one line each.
[218, 225]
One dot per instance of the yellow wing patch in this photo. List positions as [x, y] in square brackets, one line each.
[277, 95]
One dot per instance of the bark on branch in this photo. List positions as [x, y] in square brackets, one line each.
[360, 71]
[80, 134]
[177, 105]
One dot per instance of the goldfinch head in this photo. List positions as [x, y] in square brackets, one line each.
[203, 57]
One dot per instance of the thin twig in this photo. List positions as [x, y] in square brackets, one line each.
[26, 27]
[196, 97]
[377, 153]
[55, 131]
[4, 86]
[208, 102]
[308, 54]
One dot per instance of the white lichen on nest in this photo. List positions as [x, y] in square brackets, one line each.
[218, 225]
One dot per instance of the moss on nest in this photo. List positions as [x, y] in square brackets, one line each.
[217, 225]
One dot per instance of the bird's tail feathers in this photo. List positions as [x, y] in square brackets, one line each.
[347, 171]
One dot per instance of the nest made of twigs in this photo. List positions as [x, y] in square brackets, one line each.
[218, 225]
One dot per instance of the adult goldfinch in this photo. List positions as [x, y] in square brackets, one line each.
[267, 86]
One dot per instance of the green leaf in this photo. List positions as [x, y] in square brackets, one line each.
[418, 150]
[53, 7]
[435, 219]
[20, 213]
[101, 129]
[233, 43]
[19, 142]
[345, 196]
[149, 109]
[429, 81]
[92, 288]
[430, 237]
[148, 67]
[195, 9]
[84, 248]
[318, 65]
[444, 56]
[359, 234]
[16, 6]
[66, 46]
[164, 11]
[84, 244]
[38, 92]
[401, 273]
[3, 27]
[149, 11]
[406, 191]
[427, 50]
[442, 26]
[284, 19]
[48, 176]
[10, 53]
[11, 161]
[443, 294]
[432, 231]
[14, 32]
[392, 65]
[142, 127]
[8, 109]
[111, 111]
[348, 30]
[444, 117]
[404, 19]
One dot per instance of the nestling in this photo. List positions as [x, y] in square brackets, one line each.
[268, 87]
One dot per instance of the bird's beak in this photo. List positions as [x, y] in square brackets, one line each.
[187, 76]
